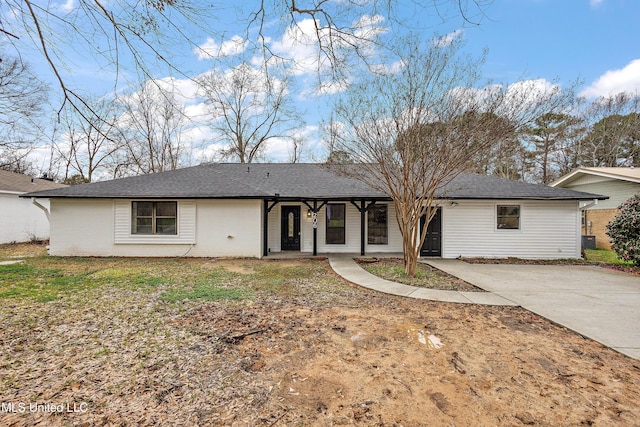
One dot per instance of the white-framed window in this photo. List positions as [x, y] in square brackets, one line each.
[377, 225]
[508, 217]
[154, 217]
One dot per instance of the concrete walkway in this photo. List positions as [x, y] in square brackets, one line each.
[600, 304]
[346, 267]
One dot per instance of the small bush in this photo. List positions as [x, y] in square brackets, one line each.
[624, 231]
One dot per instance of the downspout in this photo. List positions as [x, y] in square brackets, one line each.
[587, 206]
[44, 209]
[587, 229]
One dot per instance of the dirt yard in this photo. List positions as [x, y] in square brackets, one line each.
[283, 343]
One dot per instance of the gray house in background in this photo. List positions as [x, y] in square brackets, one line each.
[256, 210]
[617, 183]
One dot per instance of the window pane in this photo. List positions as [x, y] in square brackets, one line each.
[142, 226]
[377, 233]
[291, 224]
[508, 217]
[143, 209]
[335, 224]
[166, 208]
[165, 226]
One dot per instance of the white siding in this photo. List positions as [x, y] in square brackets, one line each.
[186, 229]
[21, 220]
[617, 190]
[548, 230]
[223, 228]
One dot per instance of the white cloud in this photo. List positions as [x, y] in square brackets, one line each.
[447, 39]
[596, 3]
[212, 49]
[68, 6]
[299, 44]
[613, 82]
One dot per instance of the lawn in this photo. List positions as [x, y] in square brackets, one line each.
[604, 256]
[109, 341]
[426, 276]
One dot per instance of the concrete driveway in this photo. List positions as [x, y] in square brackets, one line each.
[598, 303]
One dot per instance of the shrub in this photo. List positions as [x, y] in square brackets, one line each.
[624, 230]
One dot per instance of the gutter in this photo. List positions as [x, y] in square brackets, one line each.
[44, 209]
[588, 205]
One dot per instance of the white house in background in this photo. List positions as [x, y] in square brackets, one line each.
[20, 219]
[617, 183]
[256, 210]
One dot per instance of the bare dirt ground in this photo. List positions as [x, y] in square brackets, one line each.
[305, 349]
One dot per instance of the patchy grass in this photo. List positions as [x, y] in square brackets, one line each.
[604, 256]
[426, 276]
[264, 343]
[215, 285]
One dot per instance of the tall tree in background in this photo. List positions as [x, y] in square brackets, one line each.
[544, 137]
[22, 100]
[89, 141]
[411, 132]
[248, 108]
[614, 137]
[150, 130]
[503, 157]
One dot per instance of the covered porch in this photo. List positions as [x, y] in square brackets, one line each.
[302, 227]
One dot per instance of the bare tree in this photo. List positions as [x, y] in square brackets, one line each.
[412, 132]
[22, 100]
[146, 34]
[150, 130]
[88, 140]
[248, 108]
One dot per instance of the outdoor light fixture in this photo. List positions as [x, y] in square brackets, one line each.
[308, 213]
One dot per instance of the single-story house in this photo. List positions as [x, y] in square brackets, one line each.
[20, 219]
[254, 210]
[615, 182]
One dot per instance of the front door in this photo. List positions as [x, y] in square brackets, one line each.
[432, 245]
[290, 228]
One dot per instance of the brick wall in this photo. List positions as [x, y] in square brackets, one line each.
[599, 219]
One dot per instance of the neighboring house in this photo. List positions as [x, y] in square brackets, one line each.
[255, 210]
[20, 219]
[617, 183]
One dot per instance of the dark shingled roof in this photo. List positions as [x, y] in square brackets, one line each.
[291, 181]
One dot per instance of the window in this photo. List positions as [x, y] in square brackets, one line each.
[335, 224]
[154, 218]
[377, 233]
[508, 217]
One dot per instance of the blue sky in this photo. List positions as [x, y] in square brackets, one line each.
[596, 41]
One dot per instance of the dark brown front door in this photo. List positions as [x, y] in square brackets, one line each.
[433, 241]
[290, 228]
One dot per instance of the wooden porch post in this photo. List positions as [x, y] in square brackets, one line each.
[363, 211]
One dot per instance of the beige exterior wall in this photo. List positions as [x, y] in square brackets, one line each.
[599, 218]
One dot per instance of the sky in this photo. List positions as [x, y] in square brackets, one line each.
[593, 42]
